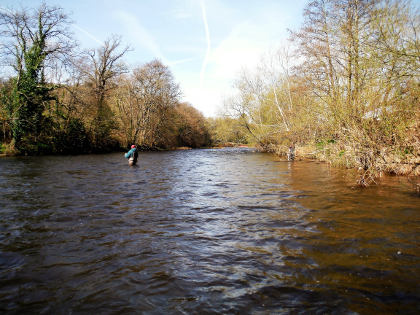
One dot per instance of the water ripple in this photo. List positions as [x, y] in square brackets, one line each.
[202, 231]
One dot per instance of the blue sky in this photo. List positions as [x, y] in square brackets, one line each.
[204, 42]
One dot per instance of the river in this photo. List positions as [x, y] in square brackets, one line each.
[223, 231]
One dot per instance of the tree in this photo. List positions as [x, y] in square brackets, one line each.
[145, 105]
[361, 60]
[100, 69]
[354, 86]
[191, 127]
[272, 103]
[33, 43]
[225, 130]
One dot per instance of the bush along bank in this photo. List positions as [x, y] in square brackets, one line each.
[346, 89]
[371, 165]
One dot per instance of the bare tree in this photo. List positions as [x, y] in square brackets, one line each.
[100, 69]
[45, 28]
[361, 61]
[144, 101]
[33, 43]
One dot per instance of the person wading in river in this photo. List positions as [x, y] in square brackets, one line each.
[132, 155]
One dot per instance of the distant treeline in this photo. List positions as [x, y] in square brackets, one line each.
[346, 90]
[62, 100]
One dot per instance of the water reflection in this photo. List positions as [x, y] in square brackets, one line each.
[216, 231]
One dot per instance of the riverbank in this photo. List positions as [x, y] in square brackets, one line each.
[386, 162]
[8, 151]
[232, 145]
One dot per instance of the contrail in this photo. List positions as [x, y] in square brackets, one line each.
[140, 34]
[206, 28]
[88, 34]
[180, 61]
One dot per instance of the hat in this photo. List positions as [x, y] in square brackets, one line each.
[133, 146]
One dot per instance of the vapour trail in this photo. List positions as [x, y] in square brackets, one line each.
[88, 34]
[206, 28]
[180, 61]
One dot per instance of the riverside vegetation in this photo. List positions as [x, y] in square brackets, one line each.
[61, 100]
[345, 90]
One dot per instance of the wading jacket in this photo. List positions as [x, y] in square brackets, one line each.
[132, 153]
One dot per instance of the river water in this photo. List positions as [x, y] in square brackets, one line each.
[204, 232]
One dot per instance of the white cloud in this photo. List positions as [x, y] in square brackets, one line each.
[207, 100]
[242, 48]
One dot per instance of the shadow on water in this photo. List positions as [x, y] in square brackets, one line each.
[203, 231]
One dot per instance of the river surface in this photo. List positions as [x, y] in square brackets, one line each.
[227, 231]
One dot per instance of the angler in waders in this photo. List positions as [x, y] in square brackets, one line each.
[132, 155]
